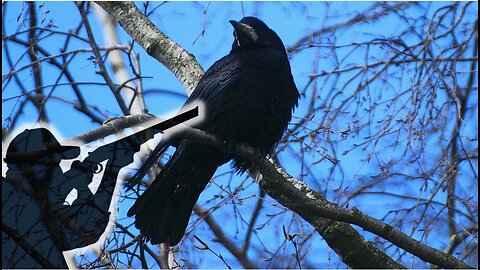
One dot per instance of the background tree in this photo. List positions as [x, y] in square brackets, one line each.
[378, 167]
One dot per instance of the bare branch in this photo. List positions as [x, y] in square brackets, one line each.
[136, 102]
[222, 238]
[309, 204]
[103, 70]
[182, 64]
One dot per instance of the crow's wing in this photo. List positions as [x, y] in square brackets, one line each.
[220, 79]
[211, 89]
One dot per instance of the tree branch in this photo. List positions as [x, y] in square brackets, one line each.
[364, 17]
[134, 98]
[312, 206]
[39, 99]
[289, 191]
[101, 64]
[224, 240]
[182, 64]
[351, 247]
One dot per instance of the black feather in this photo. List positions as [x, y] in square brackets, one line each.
[249, 96]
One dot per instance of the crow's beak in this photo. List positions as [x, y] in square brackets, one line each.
[245, 34]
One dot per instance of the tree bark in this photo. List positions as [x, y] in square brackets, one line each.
[155, 42]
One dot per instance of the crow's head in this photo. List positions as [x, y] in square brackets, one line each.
[251, 32]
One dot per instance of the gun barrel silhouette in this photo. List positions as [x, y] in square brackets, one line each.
[53, 148]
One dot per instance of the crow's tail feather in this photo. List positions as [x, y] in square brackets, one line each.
[163, 210]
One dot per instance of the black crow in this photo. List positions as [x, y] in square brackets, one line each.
[249, 96]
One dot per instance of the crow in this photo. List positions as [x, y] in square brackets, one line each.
[249, 96]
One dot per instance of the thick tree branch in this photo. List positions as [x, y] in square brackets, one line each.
[351, 247]
[284, 188]
[314, 208]
[113, 126]
[164, 250]
[311, 205]
[182, 64]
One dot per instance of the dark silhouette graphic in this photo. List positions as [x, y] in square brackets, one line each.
[30, 219]
[249, 96]
[38, 224]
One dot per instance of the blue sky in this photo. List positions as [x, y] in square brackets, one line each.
[184, 22]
